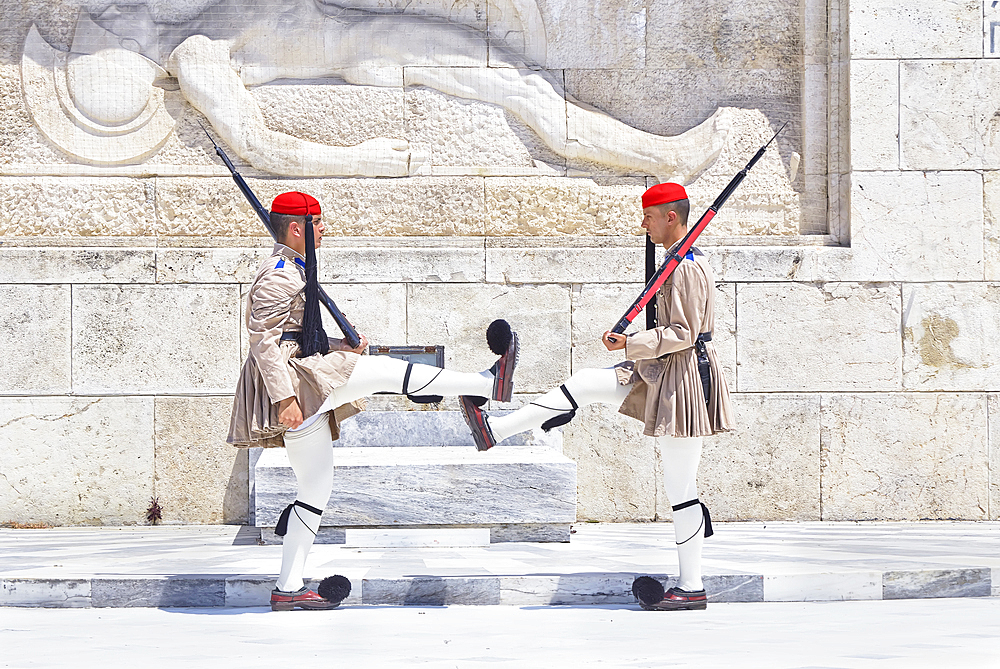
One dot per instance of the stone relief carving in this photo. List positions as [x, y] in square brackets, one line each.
[99, 103]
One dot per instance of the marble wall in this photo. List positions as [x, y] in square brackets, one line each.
[858, 291]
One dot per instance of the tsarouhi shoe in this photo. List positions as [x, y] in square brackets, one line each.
[476, 420]
[676, 599]
[304, 598]
[503, 341]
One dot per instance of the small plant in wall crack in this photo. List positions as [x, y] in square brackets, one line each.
[154, 513]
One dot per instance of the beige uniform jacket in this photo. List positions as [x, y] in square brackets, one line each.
[271, 373]
[668, 396]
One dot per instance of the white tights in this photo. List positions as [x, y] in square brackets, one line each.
[680, 457]
[310, 448]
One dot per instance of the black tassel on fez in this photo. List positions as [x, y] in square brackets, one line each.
[314, 339]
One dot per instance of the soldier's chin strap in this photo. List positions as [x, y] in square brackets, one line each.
[562, 418]
[706, 519]
[281, 529]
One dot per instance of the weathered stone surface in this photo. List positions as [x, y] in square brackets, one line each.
[328, 114]
[991, 225]
[874, 131]
[457, 317]
[158, 339]
[76, 265]
[942, 583]
[718, 34]
[847, 336]
[89, 206]
[924, 29]
[35, 326]
[76, 461]
[430, 591]
[412, 260]
[616, 465]
[198, 477]
[378, 311]
[853, 586]
[946, 114]
[45, 592]
[430, 486]
[596, 309]
[457, 132]
[540, 206]
[194, 265]
[949, 336]
[767, 468]
[994, 455]
[210, 206]
[565, 260]
[574, 39]
[566, 590]
[375, 429]
[906, 456]
[204, 591]
[724, 336]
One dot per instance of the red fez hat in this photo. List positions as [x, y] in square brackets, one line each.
[295, 204]
[662, 194]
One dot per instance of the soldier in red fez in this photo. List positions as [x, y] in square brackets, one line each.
[670, 380]
[297, 385]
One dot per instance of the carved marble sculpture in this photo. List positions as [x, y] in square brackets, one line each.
[99, 103]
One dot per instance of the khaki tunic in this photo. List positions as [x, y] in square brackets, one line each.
[663, 366]
[271, 373]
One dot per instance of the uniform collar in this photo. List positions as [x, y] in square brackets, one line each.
[290, 253]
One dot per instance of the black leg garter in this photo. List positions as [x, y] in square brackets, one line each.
[419, 399]
[706, 519]
[282, 527]
[563, 418]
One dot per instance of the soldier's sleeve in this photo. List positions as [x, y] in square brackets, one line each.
[687, 304]
[270, 306]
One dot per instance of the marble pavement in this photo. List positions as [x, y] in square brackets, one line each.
[224, 566]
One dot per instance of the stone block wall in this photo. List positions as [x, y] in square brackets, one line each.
[862, 360]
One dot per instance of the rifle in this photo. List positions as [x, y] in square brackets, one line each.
[674, 259]
[350, 334]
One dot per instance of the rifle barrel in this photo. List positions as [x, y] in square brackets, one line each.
[673, 260]
[350, 334]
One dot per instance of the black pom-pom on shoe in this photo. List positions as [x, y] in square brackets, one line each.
[647, 590]
[334, 588]
[499, 336]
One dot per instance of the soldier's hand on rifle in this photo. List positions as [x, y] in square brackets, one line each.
[342, 345]
[613, 342]
[289, 413]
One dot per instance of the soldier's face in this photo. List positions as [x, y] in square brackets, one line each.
[658, 223]
[318, 229]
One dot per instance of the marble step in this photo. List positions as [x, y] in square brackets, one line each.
[370, 429]
[595, 588]
[398, 486]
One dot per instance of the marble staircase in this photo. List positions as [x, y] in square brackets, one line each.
[406, 478]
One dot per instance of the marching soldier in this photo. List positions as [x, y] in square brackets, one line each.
[671, 381]
[297, 385]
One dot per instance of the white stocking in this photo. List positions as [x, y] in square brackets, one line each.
[680, 468]
[586, 386]
[310, 453]
[382, 374]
